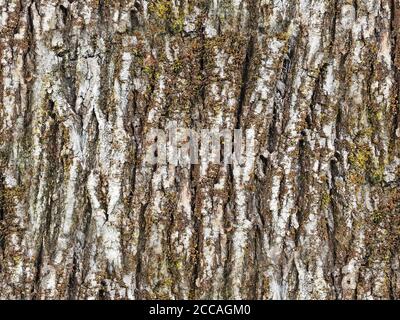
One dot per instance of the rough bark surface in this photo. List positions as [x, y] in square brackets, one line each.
[315, 216]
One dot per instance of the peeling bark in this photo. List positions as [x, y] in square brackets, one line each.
[316, 216]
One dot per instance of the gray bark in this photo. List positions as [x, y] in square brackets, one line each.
[317, 214]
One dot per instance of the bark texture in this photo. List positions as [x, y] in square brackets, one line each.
[315, 216]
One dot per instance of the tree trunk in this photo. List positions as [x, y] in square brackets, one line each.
[314, 216]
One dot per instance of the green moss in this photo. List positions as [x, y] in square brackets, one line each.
[359, 159]
[177, 67]
[148, 70]
[17, 259]
[376, 175]
[165, 17]
[168, 282]
[177, 25]
[379, 115]
[364, 166]
[162, 9]
[377, 217]
[326, 199]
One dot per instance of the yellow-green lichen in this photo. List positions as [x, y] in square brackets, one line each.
[377, 217]
[360, 158]
[177, 25]
[161, 8]
[326, 199]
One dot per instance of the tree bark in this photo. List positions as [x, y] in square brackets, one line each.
[316, 216]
